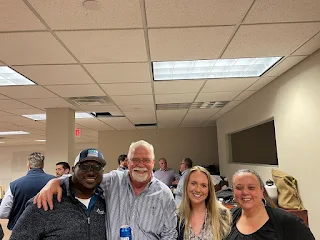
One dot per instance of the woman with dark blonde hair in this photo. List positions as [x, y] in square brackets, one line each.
[256, 219]
[200, 215]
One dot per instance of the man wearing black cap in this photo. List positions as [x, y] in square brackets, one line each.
[80, 214]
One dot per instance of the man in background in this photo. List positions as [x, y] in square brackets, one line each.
[165, 174]
[24, 188]
[62, 168]
[80, 214]
[122, 162]
[185, 166]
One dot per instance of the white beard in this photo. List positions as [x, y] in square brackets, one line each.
[140, 177]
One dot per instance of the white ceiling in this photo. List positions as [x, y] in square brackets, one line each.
[70, 51]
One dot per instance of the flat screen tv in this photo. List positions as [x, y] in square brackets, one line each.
[255, 145]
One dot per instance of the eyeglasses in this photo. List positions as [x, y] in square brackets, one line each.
[87, 167]
[143, 160]
[182, 163]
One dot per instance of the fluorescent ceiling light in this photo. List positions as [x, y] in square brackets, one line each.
[9, 77]
[219, 68]
[14, 133]
[1, 142]
[40, 140]
[41, 117]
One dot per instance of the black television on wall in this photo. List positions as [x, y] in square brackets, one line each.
[255, 145]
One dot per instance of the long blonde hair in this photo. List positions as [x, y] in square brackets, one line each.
[219, 216]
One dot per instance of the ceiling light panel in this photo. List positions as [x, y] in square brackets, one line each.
[9, 77]
[13, 133]
[42, 117]
[220, 68]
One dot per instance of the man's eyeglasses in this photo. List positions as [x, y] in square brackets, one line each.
[182, 163]
[87, 167]
[143, 160]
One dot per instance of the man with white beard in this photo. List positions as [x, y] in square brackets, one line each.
[133, 198]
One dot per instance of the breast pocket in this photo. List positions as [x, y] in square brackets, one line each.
[151, 217]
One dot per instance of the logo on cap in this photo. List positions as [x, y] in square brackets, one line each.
[93, 153]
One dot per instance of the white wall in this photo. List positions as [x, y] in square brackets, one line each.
[294, 102]
[200, 144]
[13, 160]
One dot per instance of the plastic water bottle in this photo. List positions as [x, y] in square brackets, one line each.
[125, 233]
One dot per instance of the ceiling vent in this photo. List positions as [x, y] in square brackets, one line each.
[194, 105]
[146, 125]
[90, 100]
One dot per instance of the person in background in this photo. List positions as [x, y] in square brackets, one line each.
[122, 162]
[200, 215]
[62, 168]
[165, 174]
[256, 219]
[133, 198]
[185, 166]
[80, 214]
[24, 188]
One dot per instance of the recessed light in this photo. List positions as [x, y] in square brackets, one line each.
[9, 77]
[40, 140]
[219, 68]
[91, 5]
[14, 133]
[42, 117]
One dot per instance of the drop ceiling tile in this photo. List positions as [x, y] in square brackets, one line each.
[175, 98]
[244, 95]
[196, 117]
[216, 96]
[3, 97]
[226, 109]
[5, 113]
[44, 103]
[71, 14]
[11, 104]
[269, 39]
[133, 108]
[141, 117]
[93, 124]
[230, 84]
[283, 11]
[22, 48]
[77, 90]
[25, 122]
[25, 111]
[26, 20]
[55, 74]
[119, 72]
[284, 65]
[25, 92]
[188, 43]
[120, 89]
[167, 13]
[179, 86]
[170, 118]
[106, 45]
[120, 123]
[135, 100]
[261, 83]
[309, 47]
[1, 63]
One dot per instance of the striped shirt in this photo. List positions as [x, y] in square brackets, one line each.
[151, 214]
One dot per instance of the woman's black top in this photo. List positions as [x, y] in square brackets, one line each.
[266, 232]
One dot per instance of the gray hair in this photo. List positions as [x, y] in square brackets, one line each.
[188, 162]
[165, 160]
[36, 160]
[140, 143]
[252, 172]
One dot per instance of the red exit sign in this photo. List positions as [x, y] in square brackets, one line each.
[78, 132]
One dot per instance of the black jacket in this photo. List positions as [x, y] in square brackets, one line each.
[286, 225]
[69, 219]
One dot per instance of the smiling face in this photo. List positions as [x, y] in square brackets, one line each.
[88, 176]
[198, 187]
[247, 191]
[141, 165]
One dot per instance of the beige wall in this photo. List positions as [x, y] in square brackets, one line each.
[293, 100]
[13, 160]
[200, 144]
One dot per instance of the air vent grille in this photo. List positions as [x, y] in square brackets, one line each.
[194, 105]
[90, 100]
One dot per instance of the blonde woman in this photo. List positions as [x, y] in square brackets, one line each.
[200, 215]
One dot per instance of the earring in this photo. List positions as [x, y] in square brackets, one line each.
[264, 201]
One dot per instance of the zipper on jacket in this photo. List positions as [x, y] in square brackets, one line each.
[88, 220]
